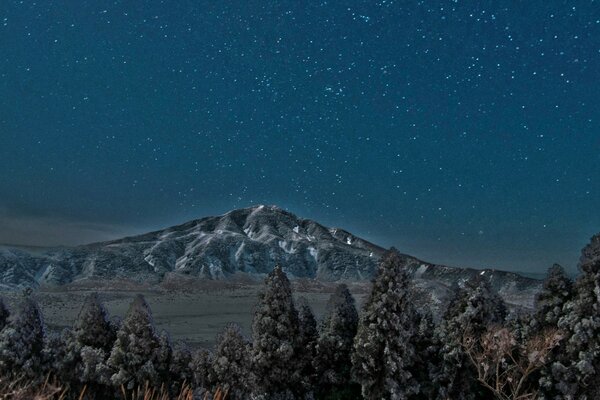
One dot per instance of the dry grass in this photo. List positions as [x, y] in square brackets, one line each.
[21, 389]
[151, 393]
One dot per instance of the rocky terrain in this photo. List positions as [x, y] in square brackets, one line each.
[247, 242]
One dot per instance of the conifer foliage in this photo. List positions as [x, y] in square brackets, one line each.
[392, 350]
[231, 364]
[89, 344]
[92, 327]
[275, 333]
[180, 370]
[384, 349]
[22, 343]
[307, 344]
[135, 357]
[334, 346]
[473, 309]
[575, 371]
[549, 302]
[4, 314]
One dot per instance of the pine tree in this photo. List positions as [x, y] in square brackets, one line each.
[307, 348]
[231, 364]
[22, 343]
[135, 355]
[92, 327]
[201, 369]
[86, 349]
[334, 346]
[557, 290]
[550, 308]
[427, 356]
[164, 356]
[474, 308]
[384, 349]
[58, 358]
[4, 314]
[575, 369]
[275, 330]
[181, 367]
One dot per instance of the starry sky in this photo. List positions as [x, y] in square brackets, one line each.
[462, 132]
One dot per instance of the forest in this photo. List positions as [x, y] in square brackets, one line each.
[394, 348]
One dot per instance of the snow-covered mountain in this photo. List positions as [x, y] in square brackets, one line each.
[250, 240]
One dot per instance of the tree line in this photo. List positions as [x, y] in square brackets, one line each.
[395, 349]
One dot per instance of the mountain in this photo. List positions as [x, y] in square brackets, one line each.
[250, 240]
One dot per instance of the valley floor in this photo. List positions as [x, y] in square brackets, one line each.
[193, 315]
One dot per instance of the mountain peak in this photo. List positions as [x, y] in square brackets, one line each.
[250, 240]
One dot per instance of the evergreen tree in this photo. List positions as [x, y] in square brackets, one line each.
[231, 364]
[86, 349]
[550, 308]
[164, 356]
[4, 314]
[22, 343]
[474, 308]
[181, 367]
[135, 356]
[307, 343]
[575, 370]
[334, 346]
[275, 331]
[92, 327]
[427, 356]
[57, 358]
[384, 349]
[549, 302]
[201, 369]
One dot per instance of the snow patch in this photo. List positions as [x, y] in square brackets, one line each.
[283, 244]
[348, 241]
[181, 262]
[296, 229]
[482, 273]
[150, 260]
[313, 252]
[420, 271]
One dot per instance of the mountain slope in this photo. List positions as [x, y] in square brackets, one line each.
[251, 240]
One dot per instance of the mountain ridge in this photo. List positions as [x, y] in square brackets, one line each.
[249, 240]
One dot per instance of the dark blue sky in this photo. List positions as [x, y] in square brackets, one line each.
[462, 132]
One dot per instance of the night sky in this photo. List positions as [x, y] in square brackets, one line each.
[462, 132]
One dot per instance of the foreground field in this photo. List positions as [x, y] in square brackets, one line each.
[195, 316]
